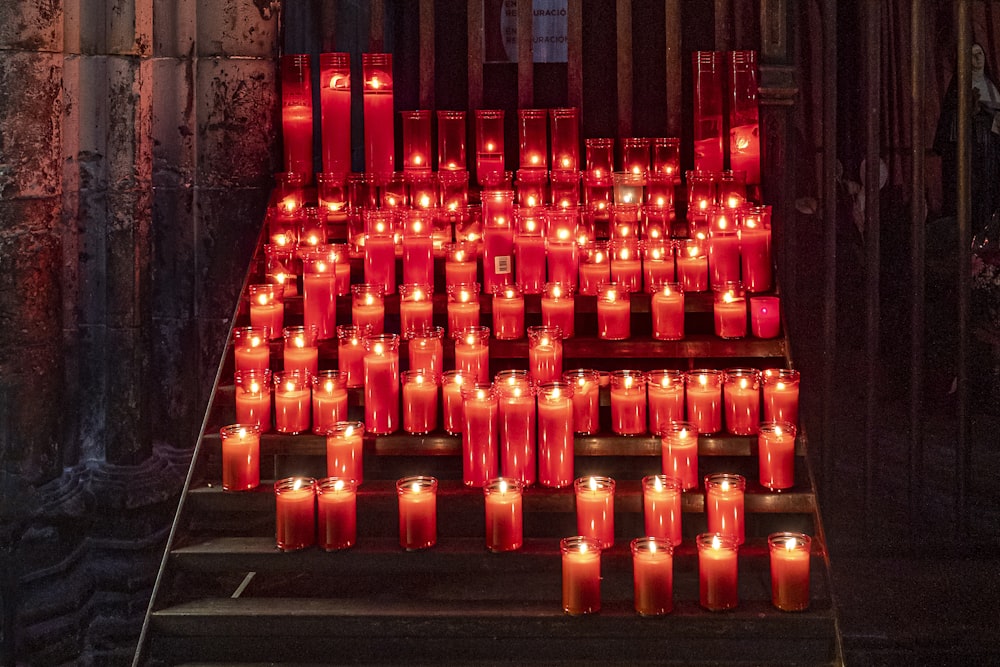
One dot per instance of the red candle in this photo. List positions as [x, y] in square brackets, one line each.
[657, 263]
[600, 156]
[680, 453]
[790, 553]
[661, 502]
[744, 133]
[295, 513]
[730, 308]
[338, 254]
[555, 434]
[420, 401]
[460, 263]
[508, 313]
[335, 105]
[380, 260]
[665, 391]
[741, 396]
[425, 349]
[277, 263]
[345, 450]
[628, 402]
[564, 132]
[424, 195]
[240, 457]
[451, 140]
[613, 312]
[718, 572]
[595, 509]
[517, 425]
[251, 349]
[595, 268]
[533, 138]
[498, 238]
[626, 266]
[765, 316]
[558, 308]
[504, 524]
[781, 395]
[479, 434]
[724, 505]
[378, 113]
[368, 307]
[692, 266]
[586, 385]
[489, 146]
[351, 353]
[297, 114]
[300, 351]
[331, 193]
[291, 402]
[581, 575]
[416, 140]
[267, 307]
[337, 500]
[381, 381]
[472, 353]
[545, 351]
[563, 260]
[707, 105]
[723, 256]
[451, 398]
[531, 185]
[565, 188]
[653, 575]
[666, 307]
[418, 249]
[253, 398]
[416, 307]
[329, 400]
[417, 512]
[463, 307]
[529, 255]
[755, 256]
[776, 457]
[703, 391]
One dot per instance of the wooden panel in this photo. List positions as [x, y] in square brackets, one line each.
[574, 65]
[525, 56]
[475, 26]
[623, 20]
[426, 95]
[675, 60]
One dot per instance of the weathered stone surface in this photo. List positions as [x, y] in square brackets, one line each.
[128, 257]
[174, 28]
[30, 112]
[129, 103]
[173, 122]
[174, 262]
[87, 390]
[31, 411]
[31, 25]
[129, 394]
[237, 104]
[175, 382]
[237, 28]
[86, 258]
[212, 337]
[30, 275]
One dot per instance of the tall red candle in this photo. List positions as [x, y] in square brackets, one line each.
[545, 352]
[665, 391]
[744, 128]
[781, 395]
[789, 556]
[718, 572]
[489, 146]
[297, 114]
[381, 382]
[335, 107]
[680, 453]
[723, 256]
[707, 82]
[626, 264]
[555, 434]
[460, 263]
[345, 450]
[504, 523]
[703, 393]
[377, 99]
[595, 268]
[418, 248]
[755, 256]
[451, 140]
[776, 455]
[564, 126]
[692, 266]
[516, 401]
[652, 575]
[240, 457]
[600, 156]
[451, 399]
[628, 402]
[480, 447]
[295, 513]
[417, 497]
[533, 138]
[351, 352]
[337, 516]
[581, 575]
[529, 253]
[661, 503]
[416, 128]
[741, 397]
[329, 399]
[724, 505]
[595, 508]
[380, 254]
[498, 238]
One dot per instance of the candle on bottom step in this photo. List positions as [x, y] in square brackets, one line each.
[504, 524]
[337, 516]
[555, 434]
[295, 513]
[718, 572]
[653, 575]
[790, 555]
[581, 575]
[480, 449]
[417, 512]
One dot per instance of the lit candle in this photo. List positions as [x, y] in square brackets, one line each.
[653, 575]
[351, 353]
[480, 449]
[581, 575]
[463, 307]
[529, 256]
[517, 425]
[680, 453]
[628, 402]
[724, 504]
[586, 399]
[498, 238]
[416, 127]
[730, 309]
[661, 502]
[295, 513]
[765, 316]
[267, 308]
[613, 312]
[253, 398]
[741, 397]
[723, 255]
[595, 269]
[319, 296]
[291, 402]
[533, 138]
[545, 352]
[563, 259]
[300, 352]
[340, 256]
[718, 572]
[555, 434]
[666, 307]
[755, 256]
[337, 500]
[781, 395]
[790, 554]
[692, 266]
[251, 349]
[657, 263]
[460, 263]
[418, 249]
[776, 455]
[381, 382]
[508, 313]
[703, 391]
[472, 353]
[335, 104]
[504, 524]
[380, 260]
[564, 132]
[378, 113]
[240, 457]
[345, 450]
[420, 400]
[451, 398]
[665, 391]
[417, 512]
[416, 307]
[368, 307]
[558, 308]
[626, 266]
[329, 400]
[451, 140]
[595, 509]
[425, 349]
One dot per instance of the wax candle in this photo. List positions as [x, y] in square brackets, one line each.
[480, 448]
[730, 309]
[463, 307]
[425, 348]
[454, 199]
[564, 188]
[555, 434]
[299, 351]
[377, 96]
[600, 156]
[345, 450]
[381, 383]
[253, 398]
[416, 128]
[581, 575]
[516, 400]
[765, 316]
[680, 453]
[416, 307]
[472, 353]
[460, 263]
[335, 104]
[653, 575]
[417, 512]
[741, 397]
[755, 257]
[595, 268]
[613, 312]
[657, 225]
[533, 138]
[319, 296]
[312, 227]
[297, 113]
[418, 248]
[628, 402]
[339, 254]
[595, 509]
[724, 505]
[564, 133]
[776, 455]
[451, 140]
[586, 385]
[626, 265]
[240, 457]
[558, 307]
[498, 238]
[420, 401]
[295, 513]
[781, 395]
[251, 349]
[424, 193]
[451, 399]
[628, 195]
[661, 502]
[718, 572]
[331, 193]
[508, 313]
[380, 260]
[504, 524]
[337, 516]
[329, 400]
[267, 307]
[703, 393]
[351, 352]
[368, 307]
[545, 352]
[789, 556]
[723, 256]
[562, 260]
[277, 269]
[657, 262]
[666, 307]
[692, 266]
[529, 255]
[665, 391]
[291, 402]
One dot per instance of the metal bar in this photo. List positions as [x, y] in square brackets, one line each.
[525, 58]
[830, 235]
[426, 94]
[574, 65]
[475, 61]
[623, 22]
[675, 102]
[963, 212]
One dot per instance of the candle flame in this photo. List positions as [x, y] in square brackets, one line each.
[535, 159]
[636, 169]
[281, 239]
[693, 251]
[623, 254]
[280, 278]
[463, 296]
[425, 201]
[503, 486]
[254, 387]
[338, 485]
[349, 431]
[481, 394]
[703, 380]
[721, 222]
[544, 340]
[419, 378]
[242, 433]
[598, 257]
[517, 392]
[459, 379]
[563, 234]
[556, 393]
[289, 386]
[416, 487]
[780, 386]
[378, 348]
[329, 386]
[262, 299]
[657, 484]
[374, 83]
[790, 544]
[566, 162]
[417, 160]
[418, 295]
[661, 200]
[652, 546]
[581, 381]
[459, 256]
[683, 434]
[531, 202]
[556, 292]
[744, 383]
[583, 547]
[725, 485]
[300, 342]
[733, 201]
[490, 147]
[778, 432]
[369, 300]
[340, 81]
[716, 543]
[628, 381]
[418, 227]
[380, 226]
[470, 339]
[593, 484]
[510, 294]
[729, 297]
[255, 341]
[703, 204]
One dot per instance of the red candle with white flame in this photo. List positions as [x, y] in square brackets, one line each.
[581, 575]
[741, 398]
[653, 575]
[665, 393]
[595, 508]
[504, 523]
[295, 513]
[790, 556]
[703, 392]
[628, 402]
[555, 434]
[381, 382]
[516, 401]
[718, 572]
[337, 517]
[661, 503]
[545, 352]
[781, 395]
[776, 455]
[724, 505]
[329, 399]
[253, 398]
[291, 402]
[680, 453]
[614, 311]
[377, 97]
[508, 313]
[480, 446]
[240, 457]
[345, 450]
[417, 497]
[420, 401]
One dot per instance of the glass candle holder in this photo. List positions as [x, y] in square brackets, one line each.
[300, 351]
[555, 434]
[666, 306]
[295, 513]
[472, 353]
[692, 265]
[504, 522]
[657, 262]
[586, 384]
[377, 97]
[368, 307]
[417, 497]
[508, 313]
[614, 312]
[345, 450]
[253, 398]
[718, 572]
[425, 348]
[480, 442]
[423, 192]
[776, 455]
[665, 391]
[279, 268]
[781, 395]
[665, 158]
[628, 188]
[451, 141]
[291, 402]
[283, 226]
[595, 268]
[724, 505]
[297, 114]
[337, 513]
[454, 198]
[600, 156]
[680, 453]
[563, 259]
[329, 399]
[564, 129]
[533, 138]
[744, 127]
[659, 206]
[730, 310]
[595, 508]
[416, 126]
[420, 401]
[529, 250]
[628, 402]
[723, 256]
[381, 382]
[789, 559]
[460, 264]
[755, 255]
[707, 99]
[597, 196]
[703, 395]
[565, 188]
[653, 575]
[516, 399]
[380, 251]
[741, 398]
[558, 307]
[251, 348]
[532, 187]
[498, 238]
[545, 352]
[701, 190]
[418, 247]
[489, 147]
[351, 352]
[662, 508]
[416, 307]
[581, 575]
[331, 194]
[635, 155]
[240, 457]
[319, 294]
[626, 264]
[312, 226]
[451, 400]
[463, 307]
[267, 307]
[335, 111]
